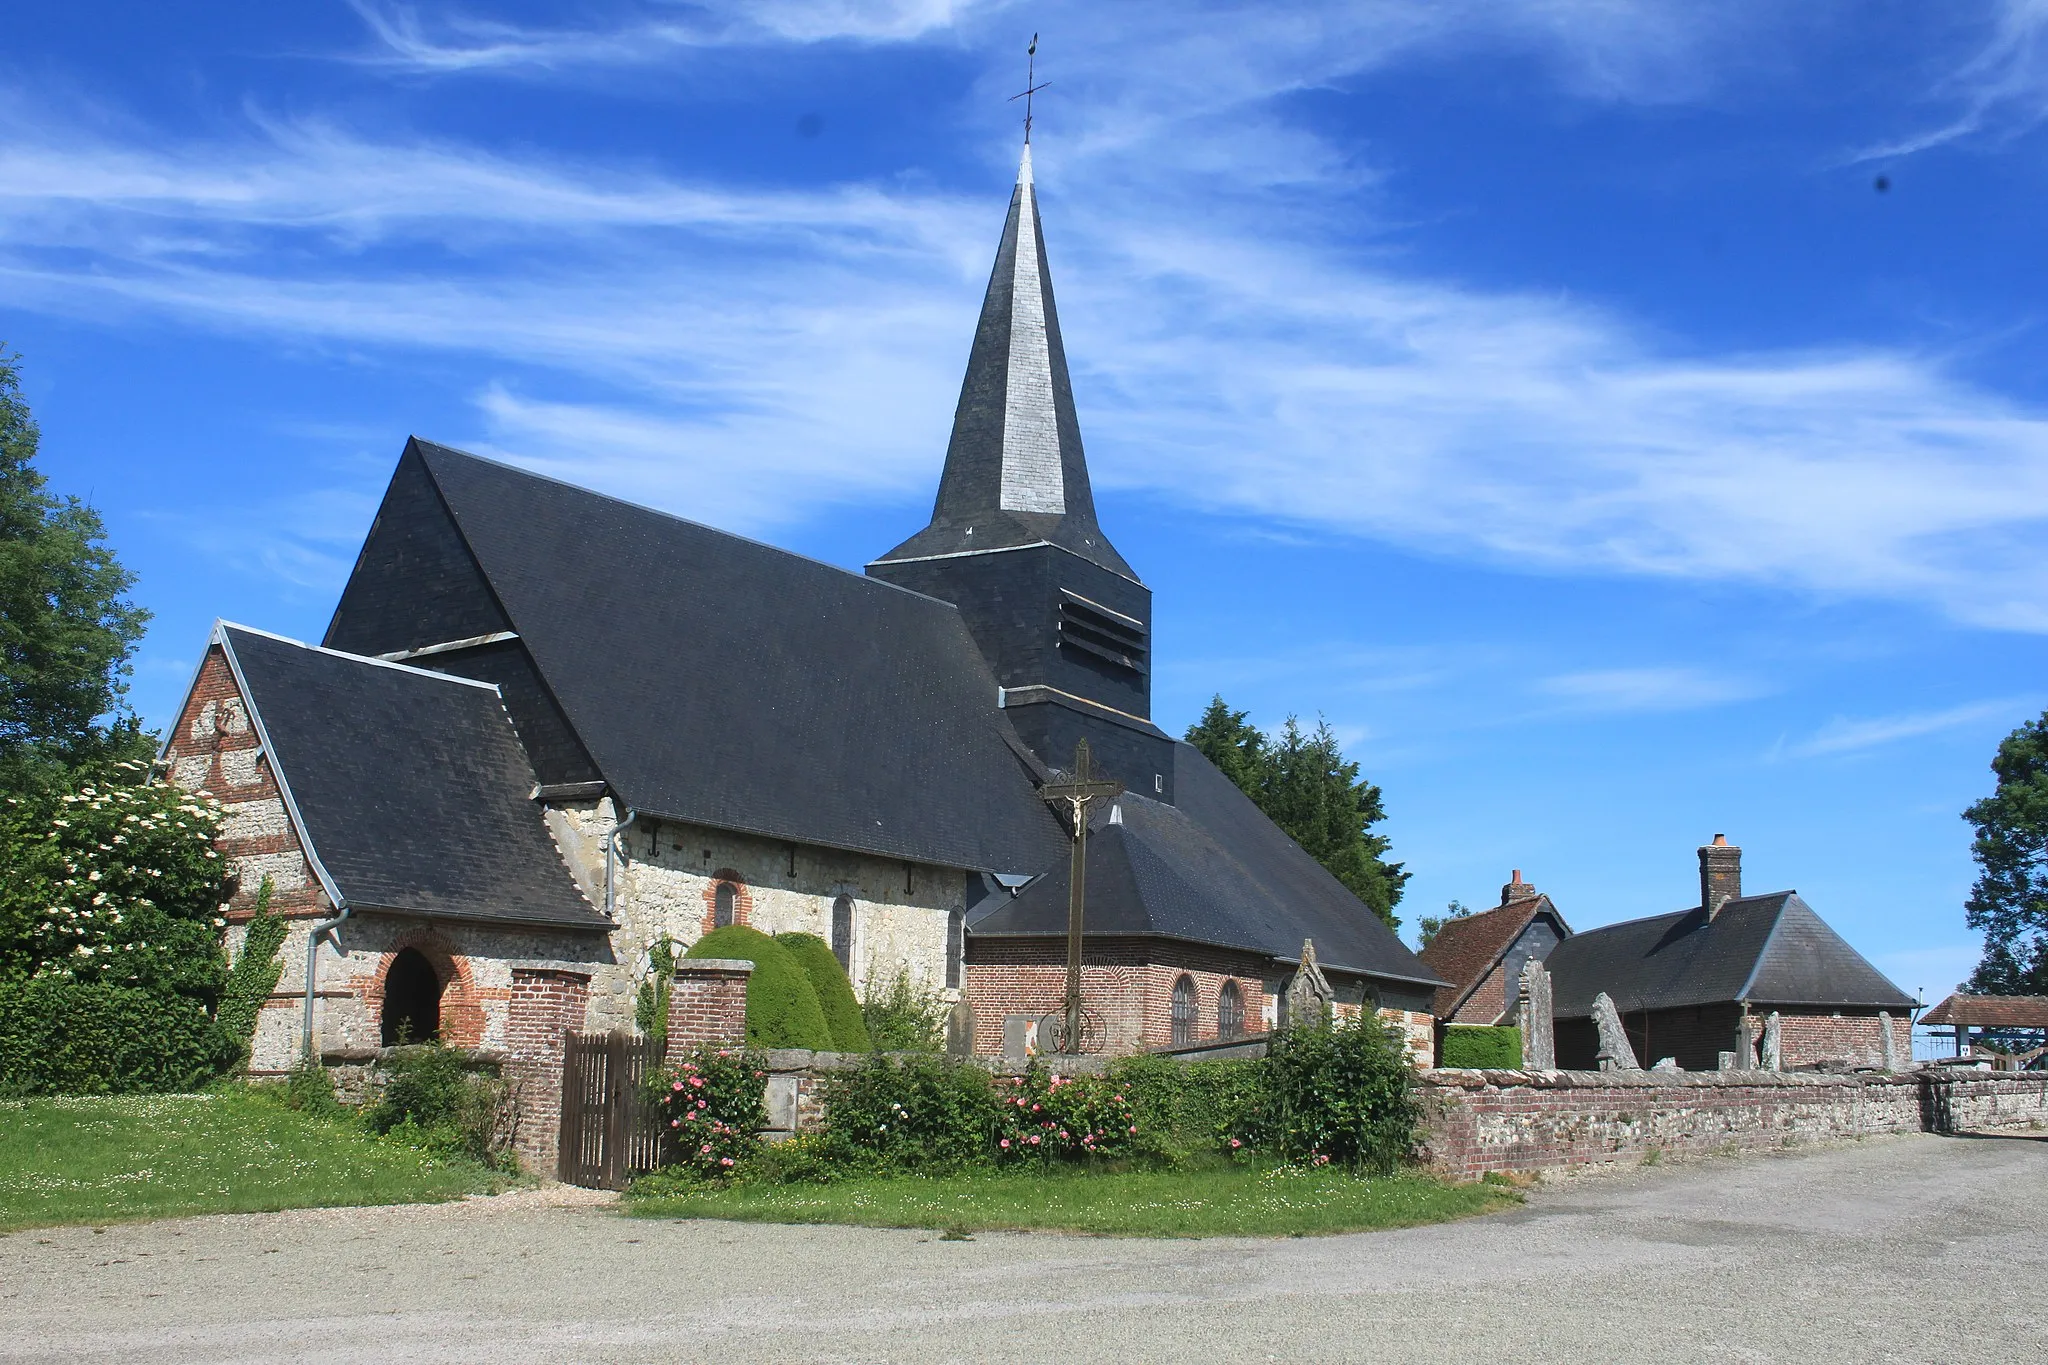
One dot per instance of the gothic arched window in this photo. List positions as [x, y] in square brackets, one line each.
[725, 905]
[956, 946]
[842, 932]
[1230, 1011]
[1184, 1011]
[412, 999]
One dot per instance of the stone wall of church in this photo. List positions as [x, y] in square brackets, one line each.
[667, 881]
[214, 749]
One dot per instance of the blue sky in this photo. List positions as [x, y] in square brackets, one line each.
[1547, 393]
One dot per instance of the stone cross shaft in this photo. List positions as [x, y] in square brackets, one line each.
[1539, 1037]
[1077, 793]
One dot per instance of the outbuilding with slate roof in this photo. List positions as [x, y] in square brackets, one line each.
[1695, 983]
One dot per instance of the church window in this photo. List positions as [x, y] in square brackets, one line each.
[956, 946]
[1184, 1011]
[412, 999]
[1230, 1011]
[842, 932]
[724, 905]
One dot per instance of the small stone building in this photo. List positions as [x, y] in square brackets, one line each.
[1695, 983]
[1481, 955]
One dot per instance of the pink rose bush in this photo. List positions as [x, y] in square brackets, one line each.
[711, 1110]
[1045, 1116]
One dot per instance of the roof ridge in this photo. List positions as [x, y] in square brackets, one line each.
[508, 467]
[223, 624]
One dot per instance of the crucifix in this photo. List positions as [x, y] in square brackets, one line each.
[1031, 85]
[1077, 793]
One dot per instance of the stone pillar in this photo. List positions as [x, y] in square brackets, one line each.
[1887, 1042]
[1774, 1047]
[707, 1003]
[544, 1005]
[1615, 1052]
[1745, 1043]
[1539, 1036]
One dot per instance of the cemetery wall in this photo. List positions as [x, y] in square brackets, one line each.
[1480, 1121]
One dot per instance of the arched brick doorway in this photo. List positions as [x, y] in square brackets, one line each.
[412, 999]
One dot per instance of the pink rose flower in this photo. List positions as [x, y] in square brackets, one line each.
[1034, 1139]
[1006, 1142]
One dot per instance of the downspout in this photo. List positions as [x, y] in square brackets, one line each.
[321, 929]
[611, 859]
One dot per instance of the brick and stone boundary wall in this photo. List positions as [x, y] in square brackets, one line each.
[1480, 1121]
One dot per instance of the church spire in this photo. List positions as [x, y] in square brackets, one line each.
[1015, 473]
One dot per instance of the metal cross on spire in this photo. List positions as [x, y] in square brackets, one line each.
[1081, 790]
[1031, 85]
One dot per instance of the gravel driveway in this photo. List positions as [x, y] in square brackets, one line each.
[1900, 1249]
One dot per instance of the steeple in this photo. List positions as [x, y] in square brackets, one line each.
[1065, 625]
[1015, 473]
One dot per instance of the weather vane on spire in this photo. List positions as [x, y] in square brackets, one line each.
[1031, 86]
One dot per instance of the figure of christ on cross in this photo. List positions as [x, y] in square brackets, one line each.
[1077, 793]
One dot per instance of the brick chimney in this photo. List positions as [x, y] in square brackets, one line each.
[1720, 874]
[1517, 889]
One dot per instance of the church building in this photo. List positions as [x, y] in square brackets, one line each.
[546, 728]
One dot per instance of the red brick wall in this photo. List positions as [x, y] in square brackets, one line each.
[1127, 983]
[1487, 1000]
[707, 1004]
[543, 1006]
[1809, 1036]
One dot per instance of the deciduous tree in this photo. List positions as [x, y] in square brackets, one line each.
[2009, 903]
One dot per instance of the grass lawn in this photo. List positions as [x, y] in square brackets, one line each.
[103, 1159]
[1227, 1202]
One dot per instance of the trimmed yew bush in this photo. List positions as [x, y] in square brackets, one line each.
[835, 993]
[782, 1005]
[1482, 1046]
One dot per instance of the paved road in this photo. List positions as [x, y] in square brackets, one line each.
[1902, 1249]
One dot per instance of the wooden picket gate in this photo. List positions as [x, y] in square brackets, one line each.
[609, 1133]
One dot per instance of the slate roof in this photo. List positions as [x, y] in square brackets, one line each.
[1209, 869]
[411, 789]
[1766, 950]
[720, 681]
[1015, 474]
[1465, 950]
[1990, 1011]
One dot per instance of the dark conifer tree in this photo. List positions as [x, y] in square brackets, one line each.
[1305, 785]
[67, 626]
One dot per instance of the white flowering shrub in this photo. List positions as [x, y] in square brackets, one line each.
[116, 883]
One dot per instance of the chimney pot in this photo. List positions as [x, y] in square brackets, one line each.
[1516, 889]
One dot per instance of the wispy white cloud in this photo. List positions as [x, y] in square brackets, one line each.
[1845, 736]
[1999, 91]
[1667, 688]
[747, 354]
[446, 40]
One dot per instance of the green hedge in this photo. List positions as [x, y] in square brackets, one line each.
[782, 1005]
[835, 992]
[1482, 1047]
[85, 1038]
